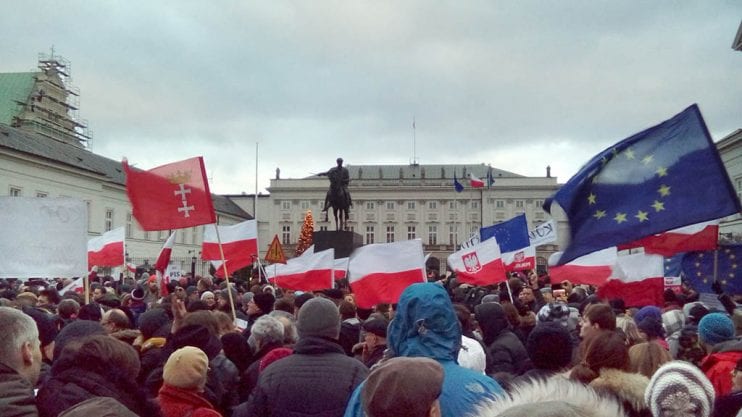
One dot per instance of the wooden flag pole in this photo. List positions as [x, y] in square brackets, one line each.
[86, 280]
[226, 273]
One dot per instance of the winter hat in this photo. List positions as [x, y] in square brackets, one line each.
[274, 355]
[45, 323]
[715, 328]
[186, 368]
[318, 317]
[76, 330]
[376, 326]
[678, 388]
[651, 327]
[137, 294]
[206, 294]
[554, 312]
[264, 301]
[490, 298]
[152, 320]
[402, 387]
[550, 346]
[648, 311]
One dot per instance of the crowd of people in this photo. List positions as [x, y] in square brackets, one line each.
[526, 347]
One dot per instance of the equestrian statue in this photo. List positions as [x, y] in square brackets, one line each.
[338, 196]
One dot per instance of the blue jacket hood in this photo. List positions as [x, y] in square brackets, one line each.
[425, 324]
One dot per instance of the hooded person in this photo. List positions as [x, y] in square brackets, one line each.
[317, 379]
[154, 326]
[184, 378]
[504, 350]
[425, 325]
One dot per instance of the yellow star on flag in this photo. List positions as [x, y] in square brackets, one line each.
[664, 190]
[620, 218]
[658, 205]
[629, 153]
[661, 172]
[647, 159]
[599, 214]
[591, 198]
[642, 216]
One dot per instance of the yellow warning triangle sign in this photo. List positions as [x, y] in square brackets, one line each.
[275, 252]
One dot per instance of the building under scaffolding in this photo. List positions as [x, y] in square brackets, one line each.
[44, 102]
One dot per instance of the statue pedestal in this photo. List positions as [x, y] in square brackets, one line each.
[343, 242]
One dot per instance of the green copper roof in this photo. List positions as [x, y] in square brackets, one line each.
[14, 86]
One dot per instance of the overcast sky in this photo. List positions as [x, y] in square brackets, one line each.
[516, 84]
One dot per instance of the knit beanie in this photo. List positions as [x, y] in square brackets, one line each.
[402, 387]
[715, 328]
[678, 388]
[648, 311]
[554, 312]
[264, 301]
[550, 346]
[186, 368]
[206, 294]
[318, 317]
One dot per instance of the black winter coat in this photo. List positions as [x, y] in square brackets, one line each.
[16, 394]
[505, 352]
[317, 381]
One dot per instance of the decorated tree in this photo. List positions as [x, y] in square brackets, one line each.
[305, 238]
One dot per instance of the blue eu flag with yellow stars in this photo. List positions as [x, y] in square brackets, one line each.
[698, 269]
[665, 177]
[511, 234]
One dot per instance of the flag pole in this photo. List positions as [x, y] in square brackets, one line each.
[255, 213]
[86, 280]
[716, 264]
[226, 273]
[510, 293]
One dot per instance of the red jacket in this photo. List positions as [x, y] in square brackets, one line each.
[179, 402]
[719, 364]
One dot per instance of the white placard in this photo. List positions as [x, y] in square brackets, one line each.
[43, 237]
[543, 233]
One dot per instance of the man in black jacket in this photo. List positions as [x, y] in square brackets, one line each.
[20, 363]
[317, 380]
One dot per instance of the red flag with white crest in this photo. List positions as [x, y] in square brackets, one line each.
[172, 196]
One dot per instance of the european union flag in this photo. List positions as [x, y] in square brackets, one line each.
[511, 235]
[457, 185]
[698, 268]
[665, 177]
[674, 265]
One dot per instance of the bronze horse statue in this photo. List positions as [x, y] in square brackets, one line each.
[338, 196]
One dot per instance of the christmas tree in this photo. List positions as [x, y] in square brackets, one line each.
[305, 238]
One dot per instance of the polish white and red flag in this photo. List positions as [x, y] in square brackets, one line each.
[592, 269]
[341, 268]
[172, 196]
[313, 272]
[475, 182]
[638, 279]
[696, 237]
[380, 272]
[163, 259]
[480, 264]
[131, 267]
[107, 249]
[78, 286]
[520, 260]
[239, 242]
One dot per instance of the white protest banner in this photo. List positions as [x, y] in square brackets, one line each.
[43, 237]
[172, 273]
[544, 233]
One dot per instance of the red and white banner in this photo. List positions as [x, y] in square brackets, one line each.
[312, 272]
[341, 267]
[107, 249]
[172, 196]
[239, 242]
[163, 259]
[380, 272]
[696, 237]
[520, 260]
[480, 264]
[78, 286]
[475, 182]
[637, 279]
[593, 269]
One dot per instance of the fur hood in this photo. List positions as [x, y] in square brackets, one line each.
[552, 397]
[629, 387]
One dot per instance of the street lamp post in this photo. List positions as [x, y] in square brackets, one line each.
[193, 267]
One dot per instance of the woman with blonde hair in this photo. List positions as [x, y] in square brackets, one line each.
[645, 358]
